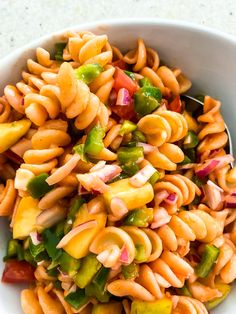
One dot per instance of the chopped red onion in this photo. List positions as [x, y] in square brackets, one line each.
[205, 169]
[98, 166]
[213, 196]
[142, 176]
[171, 199]
[82, 190]
[124, 255]
[35, 237]
[123, 97]
[160, 197]
[147, 148]
[230, 201]
[209, 182]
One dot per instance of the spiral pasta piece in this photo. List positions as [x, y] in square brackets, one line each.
[88, 48]
[5, 110]
[78, 102]
[225, 265]
[115, 240]
[188, 305]
[47, 145]
[103, 84]
[7, 198]
[163, 127]
[212, 136]
[181, 186]
[188, 225]
[172, 268]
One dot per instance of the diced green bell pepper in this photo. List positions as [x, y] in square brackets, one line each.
[127, 127]
[59, 47]
[162, 306]
[208, 260]
[197, 181]
[94, 142]
[147, 99]
[29, 258]
[130, 271]
[69, 264]
[50, 241]
[138, 136]
[191, 140]
[100, 278]
[92, 291]
[38, 187]
[186, 160]
[79, 149]
[184, 291]
[129, 154]
[139, 217]
[191, 154]
[14, 249]
[130, 168]
[130, 74]
[155, 177]
[75, 206]
[88, 72]
[145, 82]
[88, 269]
[140, 255]
[36, 250]
[77, 299]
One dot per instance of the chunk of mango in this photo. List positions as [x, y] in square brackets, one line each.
[111, 308]
[25, 218]
[162, 306]
[192, 123]
[11, 132]
[78, 247]
[225, 289]
[132, 196]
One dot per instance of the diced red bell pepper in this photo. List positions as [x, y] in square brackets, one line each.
[124, 81]
[175, 105]
[18, 272]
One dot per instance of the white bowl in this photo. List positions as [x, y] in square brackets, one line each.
[206, 56]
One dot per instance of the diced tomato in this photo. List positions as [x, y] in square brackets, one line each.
[124, 112]
[120, 64]
[123, 81]
[18, 272]
[175, 105]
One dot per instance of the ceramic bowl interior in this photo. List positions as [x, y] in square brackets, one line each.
[207, 57]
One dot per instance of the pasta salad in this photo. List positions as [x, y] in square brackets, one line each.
[120, 196]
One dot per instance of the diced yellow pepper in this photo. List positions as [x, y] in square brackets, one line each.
[192, 123]
[110, 308]
[132, 196]
[225, 289]
[162, 306]
[25, 218]
[11, 132]
[78, 247]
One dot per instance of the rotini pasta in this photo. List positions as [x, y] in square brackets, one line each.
[121, 199]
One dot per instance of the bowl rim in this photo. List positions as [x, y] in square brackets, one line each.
[103, 23]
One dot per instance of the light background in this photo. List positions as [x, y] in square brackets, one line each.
[24, 20]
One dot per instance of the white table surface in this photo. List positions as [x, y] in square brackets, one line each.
[24, 20]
